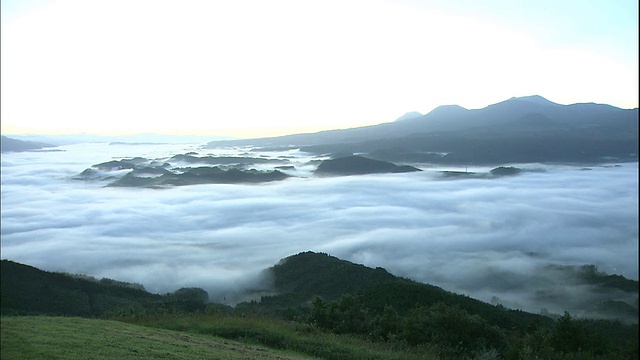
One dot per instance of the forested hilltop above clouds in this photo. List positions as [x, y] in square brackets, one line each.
[340, 297]
[293, 284]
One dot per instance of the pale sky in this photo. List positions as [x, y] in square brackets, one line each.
[252, 68]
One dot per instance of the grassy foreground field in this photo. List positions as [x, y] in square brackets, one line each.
[300, 338]
[43, 337]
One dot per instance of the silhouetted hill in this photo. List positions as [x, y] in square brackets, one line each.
[348, 298]
[26, 290]
[324, 293]
[525, 129]
[358, 165]
[155, 173]
[194, 176]
[301, 278]
[505, 171]
[310, 274]
[8, 144]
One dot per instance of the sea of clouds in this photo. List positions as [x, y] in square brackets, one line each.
[491, 239]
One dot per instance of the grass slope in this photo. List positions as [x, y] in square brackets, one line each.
[302, 338]
[42, 337]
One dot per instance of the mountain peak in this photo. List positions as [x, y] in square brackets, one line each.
[409, 115]
[534, 99]
[447, 110]
[523, 102]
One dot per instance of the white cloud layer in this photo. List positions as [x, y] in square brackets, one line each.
[481, 237]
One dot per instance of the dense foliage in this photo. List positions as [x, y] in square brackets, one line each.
[30, 291]
[456, 333]
[346, 298]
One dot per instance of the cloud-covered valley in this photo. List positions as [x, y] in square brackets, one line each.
[492, 239]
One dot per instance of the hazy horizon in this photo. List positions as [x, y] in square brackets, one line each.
[213, 137]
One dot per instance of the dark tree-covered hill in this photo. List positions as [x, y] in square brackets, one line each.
[26, 290]
[359, 165]
[310, 274]
[302, 278]
[347, 298]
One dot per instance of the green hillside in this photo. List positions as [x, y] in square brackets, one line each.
[346, 298]
[299, 279]
[27, 290]
[324, 307]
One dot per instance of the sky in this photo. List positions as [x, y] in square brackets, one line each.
[252, 68]
[484, 238]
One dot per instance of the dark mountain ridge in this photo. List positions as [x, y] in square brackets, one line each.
[523, 129]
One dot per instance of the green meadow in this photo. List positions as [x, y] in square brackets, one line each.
[44, 337]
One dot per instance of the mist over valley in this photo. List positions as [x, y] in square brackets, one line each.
[337, 180]
[216, 215]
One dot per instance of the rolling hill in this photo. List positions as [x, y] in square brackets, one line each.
[323, 306]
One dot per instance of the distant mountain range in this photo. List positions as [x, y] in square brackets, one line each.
[14, 145]
[518, 130]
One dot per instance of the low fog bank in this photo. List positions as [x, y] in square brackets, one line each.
[492, 239]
